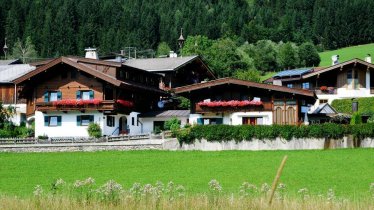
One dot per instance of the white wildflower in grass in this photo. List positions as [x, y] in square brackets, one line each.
[59, 182]
[304, 193]
[78, 184]
[38, 191]
[330, 195]
[265, 188]
[371, 189]
[57, 185]
[110, 192]
[147, 190]
[214, 186]
[281, 190]
[247, 189]
[89, 181]
[136, 191]
[180, 190]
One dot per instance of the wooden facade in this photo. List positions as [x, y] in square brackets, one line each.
[284, 103]
[63, 85]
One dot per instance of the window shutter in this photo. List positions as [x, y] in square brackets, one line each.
[59, 95]
[219, 121]
[46, 119]
[58, 120]
[91, 118]
[46, 96]
[78, 94]
[91, 94]
[79, 120]
[200, 121]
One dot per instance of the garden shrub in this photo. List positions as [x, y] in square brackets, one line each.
[365, 105]
[356, 119]
[94, 130]
[239, 133]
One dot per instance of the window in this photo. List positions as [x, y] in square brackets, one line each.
[133, 121]
[84, 120]
[352, 79]
[322, 101]
[50, 96]
[290, 85]
[85, 94]
[52, 121]
[306, 85]
[209, 121]
[252, 121]
[110, 121]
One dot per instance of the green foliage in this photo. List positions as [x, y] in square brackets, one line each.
[173, 122]
[308, 55]
[250, 75]
[163, 49]
[244, 132]
[365, 105]
[185, 103]
[94, 130]
[356, 119]
[5, 114]
[288, 56]
[25, 51]
[67, 27]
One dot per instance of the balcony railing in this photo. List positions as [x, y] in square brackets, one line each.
[324, 90]
[51, 106]
[265, 106]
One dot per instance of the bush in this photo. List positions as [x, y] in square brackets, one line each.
[173, 122]
[356, 119]
[94, 130]
[365, 105]
[244, 132]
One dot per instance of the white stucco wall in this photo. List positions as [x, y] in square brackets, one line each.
[147, 123]
[68, 126]
[235, 118]
[266, 116]
[136, 128]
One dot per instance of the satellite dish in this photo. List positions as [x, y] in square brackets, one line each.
[160, 104]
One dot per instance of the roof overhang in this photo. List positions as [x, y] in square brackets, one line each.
[223, 81]
[339, 66]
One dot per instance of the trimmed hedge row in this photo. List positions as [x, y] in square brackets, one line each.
[365, 105]
[240, 133]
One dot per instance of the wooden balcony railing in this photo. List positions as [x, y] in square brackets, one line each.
[107, 105]
[266, 106]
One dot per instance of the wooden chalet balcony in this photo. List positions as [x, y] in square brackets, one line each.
[50, 106]
[83, 105]
[266, 106]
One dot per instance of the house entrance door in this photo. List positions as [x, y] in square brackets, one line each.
[123, 125]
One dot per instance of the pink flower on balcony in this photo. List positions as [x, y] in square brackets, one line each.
[232, 103]
[125, 103]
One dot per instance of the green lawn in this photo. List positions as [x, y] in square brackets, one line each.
[348, 172]
[348, 53]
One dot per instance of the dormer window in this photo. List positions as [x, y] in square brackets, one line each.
[85, 94]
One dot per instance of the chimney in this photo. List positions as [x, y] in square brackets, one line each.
[335, 59]
[368, 58]
[91, 53]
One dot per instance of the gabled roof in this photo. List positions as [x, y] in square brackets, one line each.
[160, 64]
[8, 73]
[340, 65]
[72, 61]
[324, 109]
[223, 81]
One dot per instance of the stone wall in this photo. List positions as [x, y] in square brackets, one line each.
[275, 144]
[154, 144]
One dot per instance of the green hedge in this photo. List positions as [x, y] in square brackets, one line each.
[365, 105]
[247, 133]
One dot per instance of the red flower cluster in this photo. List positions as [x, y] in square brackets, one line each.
[74, 102]
[232, 103]
[125, 103]
[323, 88]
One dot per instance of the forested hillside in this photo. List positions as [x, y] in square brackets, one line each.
[62, 27]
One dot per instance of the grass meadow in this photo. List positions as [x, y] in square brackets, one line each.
[348, 172]
[348, 53]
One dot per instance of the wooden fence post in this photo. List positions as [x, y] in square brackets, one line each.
[276, 179]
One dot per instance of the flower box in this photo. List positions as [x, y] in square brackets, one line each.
[232, 103]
